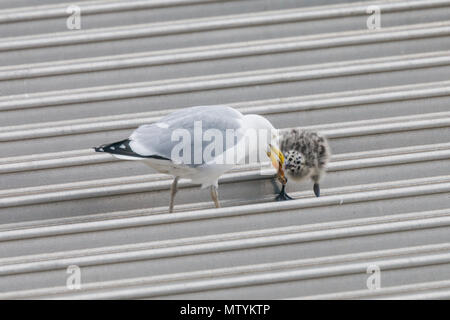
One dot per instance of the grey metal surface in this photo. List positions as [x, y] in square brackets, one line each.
[381, 96]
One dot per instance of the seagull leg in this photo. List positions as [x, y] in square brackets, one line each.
[283, 195]
[283, 180]
[215, 196]
[173, 191]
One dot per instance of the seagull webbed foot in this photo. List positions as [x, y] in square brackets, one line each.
[283, 195]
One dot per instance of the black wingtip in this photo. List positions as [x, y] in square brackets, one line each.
[123, 148]
[120, 147]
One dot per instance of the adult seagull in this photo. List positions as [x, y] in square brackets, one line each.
[200, 144]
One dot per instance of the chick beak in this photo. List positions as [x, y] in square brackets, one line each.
[276, 156]
[288, 165]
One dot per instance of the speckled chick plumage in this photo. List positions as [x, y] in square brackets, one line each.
[306, 155]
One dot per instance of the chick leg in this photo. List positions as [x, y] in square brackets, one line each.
[173, 191]
[215, 196]
[316, 187]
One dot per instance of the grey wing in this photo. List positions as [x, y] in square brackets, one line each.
[181, 128]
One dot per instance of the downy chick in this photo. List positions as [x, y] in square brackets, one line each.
[306, 155]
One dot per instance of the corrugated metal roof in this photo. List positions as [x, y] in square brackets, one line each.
[381, 97]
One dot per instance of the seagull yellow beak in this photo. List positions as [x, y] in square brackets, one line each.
[276, 156]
